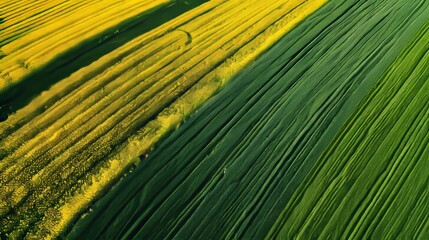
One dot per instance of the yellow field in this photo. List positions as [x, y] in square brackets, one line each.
[46, 40]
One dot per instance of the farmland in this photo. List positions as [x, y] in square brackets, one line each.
[214, 119]
[58, 158]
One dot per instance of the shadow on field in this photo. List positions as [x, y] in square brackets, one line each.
[82, 55]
